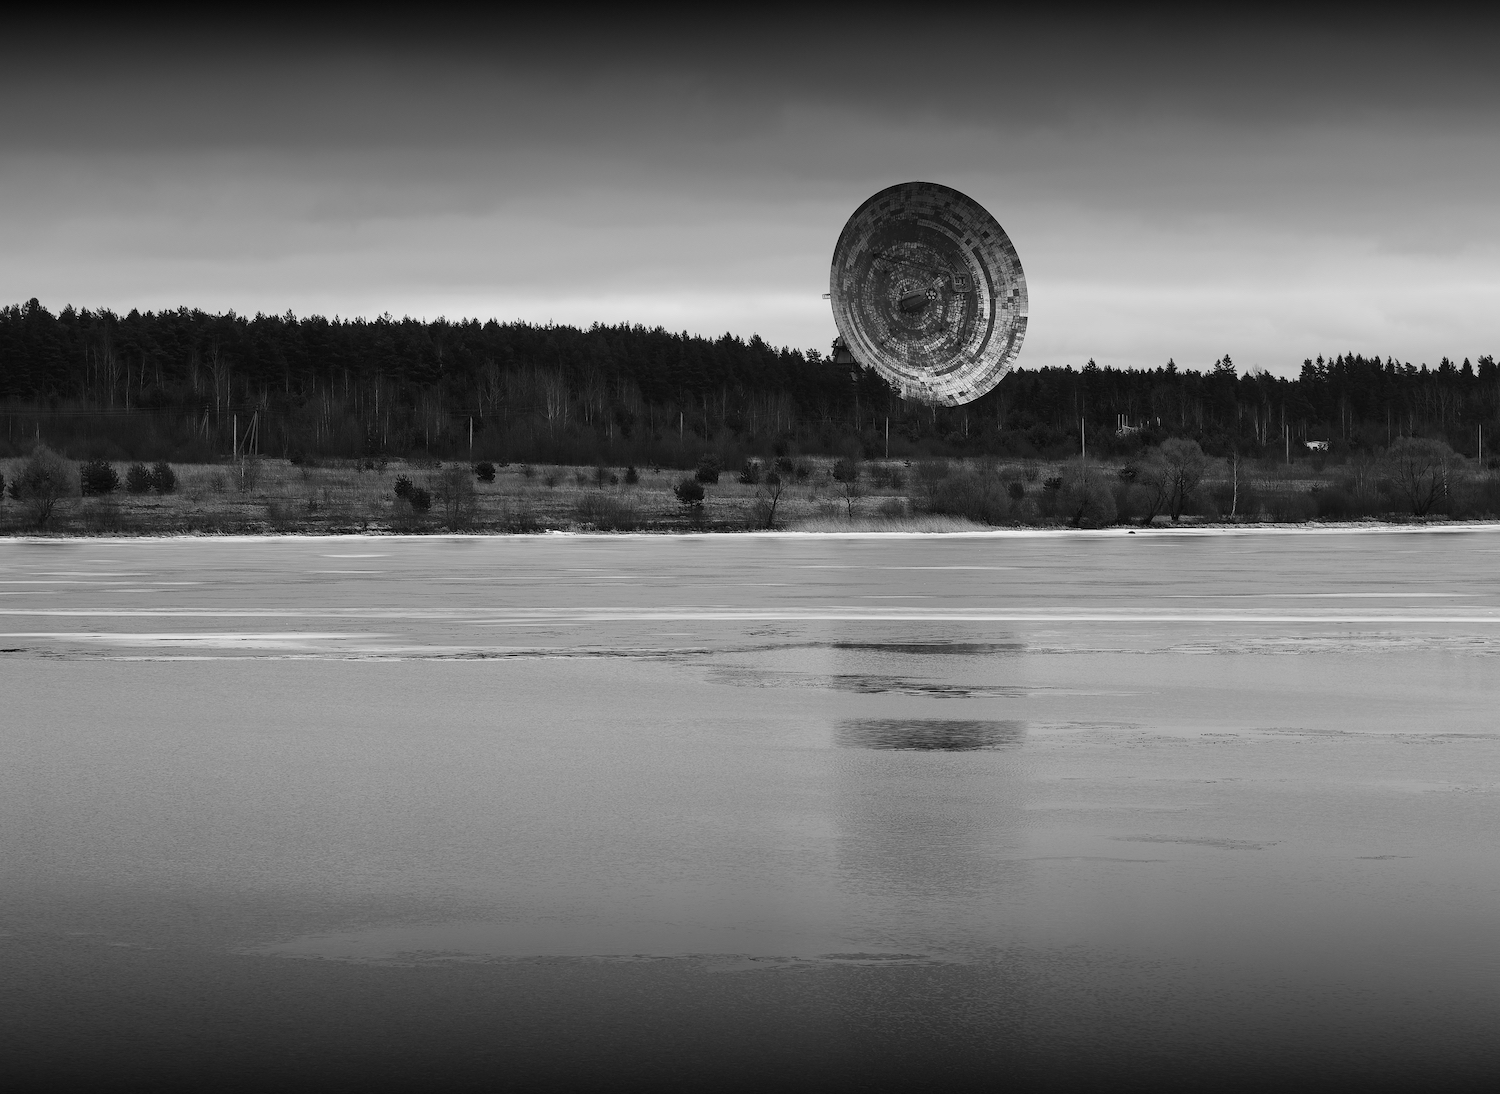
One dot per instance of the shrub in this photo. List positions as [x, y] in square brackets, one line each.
[750, 473]
[103, 516]
[404, 517]
[403, 487]
[1084, 499]
[456, 491]
[1291, 508]
[632, 476]
[601, 476]
[137, 478]
[709, 468]
[2, 488]
[527, 471]
[246, 475]
[44, 480]
[1016, 491]
[97, 477]
[1475, 498]
[420, 499]
[280, 516]
[484, 471]
[163, 478]
[518, 516]
[608, 513]
[970, 495]
[784, 466]
[1333, 503]
[689, 492]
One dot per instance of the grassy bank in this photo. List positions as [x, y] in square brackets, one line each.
[814, 494]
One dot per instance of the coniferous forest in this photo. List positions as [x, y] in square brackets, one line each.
[190, 386]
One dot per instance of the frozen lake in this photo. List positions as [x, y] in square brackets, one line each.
[802, 810]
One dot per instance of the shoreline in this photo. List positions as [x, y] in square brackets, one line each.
[1199, 530]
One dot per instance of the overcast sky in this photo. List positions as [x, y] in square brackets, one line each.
[1184, 191]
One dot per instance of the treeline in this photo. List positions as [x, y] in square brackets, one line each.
[187, 385]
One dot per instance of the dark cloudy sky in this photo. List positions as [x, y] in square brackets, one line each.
[1270, 190]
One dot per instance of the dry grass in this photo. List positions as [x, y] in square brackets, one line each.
[922, 522]
[273, 496]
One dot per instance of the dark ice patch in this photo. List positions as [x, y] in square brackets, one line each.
[929, 734]
[864, 684]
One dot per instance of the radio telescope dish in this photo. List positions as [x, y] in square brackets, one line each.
[928, 291]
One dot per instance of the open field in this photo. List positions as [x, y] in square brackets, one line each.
[276, 496]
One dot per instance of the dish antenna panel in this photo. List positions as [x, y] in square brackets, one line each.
[928, 291]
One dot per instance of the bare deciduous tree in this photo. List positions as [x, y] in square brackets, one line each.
[771, 491]
[846, 474]
[1419, 467]
[1185, 463]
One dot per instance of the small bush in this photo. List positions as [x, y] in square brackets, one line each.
[1333, 503]
[689, 492]
[750, 473]
[1291, 508]
[601, 476]
[632, 476]
[709, 468]
[527, 471]
[44, 480]
[403, 487]
[518, 517]
[1016, 491]
[404, 517]
[784, 466]
[103, 516]
[1053, 483]
[484, 471]
[137, 478]
[246, 475]
[801, 472]
[420, 499]
[607, 513]
[163, 478]
[1085, 500]
[1475, 499]
[969, 495]
[455, 490]
[96, 478]
[280, 516]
